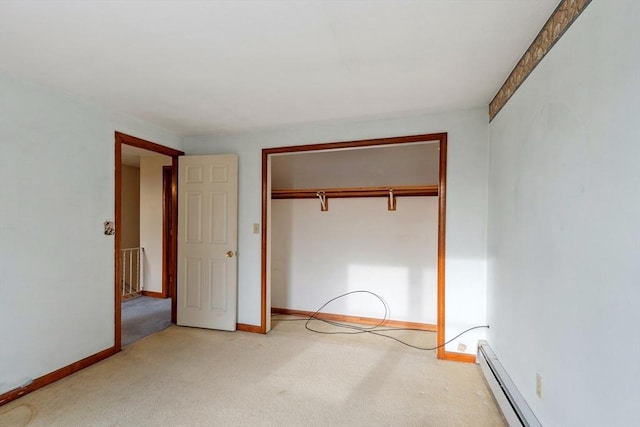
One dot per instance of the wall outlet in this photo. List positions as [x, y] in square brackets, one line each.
[256, 228]
[539, 385]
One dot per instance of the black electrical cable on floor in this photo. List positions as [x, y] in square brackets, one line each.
[374, 330]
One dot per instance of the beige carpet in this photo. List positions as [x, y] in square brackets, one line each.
[290, 377]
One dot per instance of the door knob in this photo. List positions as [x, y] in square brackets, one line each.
[229, 254]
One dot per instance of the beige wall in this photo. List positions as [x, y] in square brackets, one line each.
[130, 227]
[151, 219]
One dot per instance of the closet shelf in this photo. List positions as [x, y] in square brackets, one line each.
[312, 193]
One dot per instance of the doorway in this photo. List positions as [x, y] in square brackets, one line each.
[168, 211]
[439, 138]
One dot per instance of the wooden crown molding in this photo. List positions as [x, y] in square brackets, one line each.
[559, 21]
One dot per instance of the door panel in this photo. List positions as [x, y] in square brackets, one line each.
[207, 241]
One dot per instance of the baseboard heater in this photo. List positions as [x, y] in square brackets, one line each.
[513, 406]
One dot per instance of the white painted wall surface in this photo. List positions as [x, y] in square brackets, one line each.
[564, 225]
[130, 227]
[56, 265]
[357, 245]
[151, 219]
[466, 203]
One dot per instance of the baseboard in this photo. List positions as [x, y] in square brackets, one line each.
[153, 294]
[459, 357]
[356, 319]
[248, 328]
[514, 408]
[55, 375]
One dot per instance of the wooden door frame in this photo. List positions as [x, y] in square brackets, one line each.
[168, 267]
[441, 138]
[169, 282]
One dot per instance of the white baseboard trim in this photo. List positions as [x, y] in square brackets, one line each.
[513, 406]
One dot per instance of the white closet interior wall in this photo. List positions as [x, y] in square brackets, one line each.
[358, 244]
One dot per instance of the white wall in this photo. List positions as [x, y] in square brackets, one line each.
[151, 219]
[564, 225]
[56, 265]
[466, 202]
[357, 245]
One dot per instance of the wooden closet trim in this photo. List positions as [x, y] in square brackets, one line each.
[355, 144]
[359, 320]
[441, 138]
[338, 193]
[442, 234]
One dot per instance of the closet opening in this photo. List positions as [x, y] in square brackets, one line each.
[358, 215]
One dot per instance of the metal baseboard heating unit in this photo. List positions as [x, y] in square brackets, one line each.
[513, 406]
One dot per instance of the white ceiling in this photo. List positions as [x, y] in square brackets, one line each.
[199, 67]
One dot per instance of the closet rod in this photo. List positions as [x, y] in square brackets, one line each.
[312, 193]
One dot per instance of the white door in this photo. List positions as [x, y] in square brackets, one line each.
[207, 241]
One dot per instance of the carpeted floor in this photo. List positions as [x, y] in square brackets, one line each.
[143, 316]
[290, 377]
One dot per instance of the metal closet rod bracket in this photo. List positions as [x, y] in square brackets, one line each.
[324, 205]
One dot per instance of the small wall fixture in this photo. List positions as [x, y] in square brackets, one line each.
[391, 202]
[324, 205]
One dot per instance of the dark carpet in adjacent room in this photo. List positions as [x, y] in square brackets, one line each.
[143, 316]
